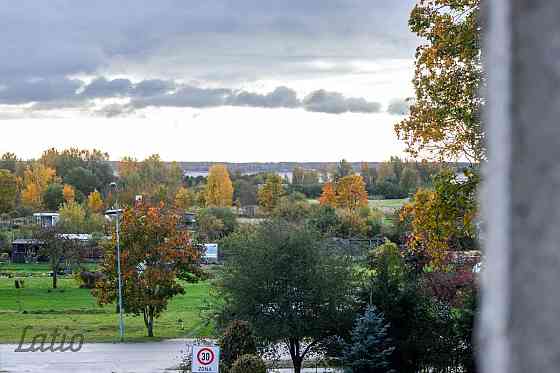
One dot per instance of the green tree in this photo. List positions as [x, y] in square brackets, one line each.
[343, 169]
[9, 161]
[53, 197]
[409, 180]
[237, 340]
[60, 249]
[215, 223]
[282, 271]
[369, 349]
[8, 191]
[245, 193]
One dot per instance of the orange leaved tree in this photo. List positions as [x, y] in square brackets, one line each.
[155, 254]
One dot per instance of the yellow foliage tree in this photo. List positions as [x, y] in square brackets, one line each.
[219, 189]
[270, 193]
[69, 193]
[36, 178]
[442, 220]
[351, 192]
[183, 198]
[328, 196]
[95, 202]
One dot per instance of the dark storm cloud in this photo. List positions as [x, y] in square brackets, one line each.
[335, 103]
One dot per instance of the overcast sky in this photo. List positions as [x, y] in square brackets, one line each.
[216, 80]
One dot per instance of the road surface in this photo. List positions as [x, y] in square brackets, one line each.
[153, 357]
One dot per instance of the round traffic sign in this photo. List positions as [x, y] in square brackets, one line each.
[205, 356]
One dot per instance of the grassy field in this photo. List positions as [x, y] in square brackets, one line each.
[388, 203]
[74, 310]
[379, 203]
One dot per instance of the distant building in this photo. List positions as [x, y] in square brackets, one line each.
[28, 250]
[46, 219]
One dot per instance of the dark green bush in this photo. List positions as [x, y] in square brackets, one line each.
[237, 340]
[248, 364]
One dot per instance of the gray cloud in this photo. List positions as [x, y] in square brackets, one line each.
[53, 94]
[399, 106]
[335, 103]
[153, 87]
[102, 87]
[242, 39]
[16, 91]
[186, 96]
[280, 97]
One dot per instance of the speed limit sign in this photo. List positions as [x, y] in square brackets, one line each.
[206, 359]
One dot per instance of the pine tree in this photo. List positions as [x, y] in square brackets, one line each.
[369, 350]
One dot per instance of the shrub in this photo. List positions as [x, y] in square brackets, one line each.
[237, 340]
[249, 364]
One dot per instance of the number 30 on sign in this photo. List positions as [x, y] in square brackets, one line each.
[206, 359]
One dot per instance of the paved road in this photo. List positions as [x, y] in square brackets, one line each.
[96, 358]
[156, 357]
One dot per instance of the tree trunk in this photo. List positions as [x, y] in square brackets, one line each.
[54, 278]
[297, 362]
[149, 320]
[297, 359]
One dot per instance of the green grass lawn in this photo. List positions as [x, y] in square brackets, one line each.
[74, 310]
[388, 203]
[378, 203]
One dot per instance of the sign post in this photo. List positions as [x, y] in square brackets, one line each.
[206, 359]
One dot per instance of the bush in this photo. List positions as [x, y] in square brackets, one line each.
[249, 364]
[237, 340]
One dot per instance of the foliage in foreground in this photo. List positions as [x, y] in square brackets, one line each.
[282, 278]
[369, 349]
[154, 255]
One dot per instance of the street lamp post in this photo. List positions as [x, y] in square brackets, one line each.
[117, 212]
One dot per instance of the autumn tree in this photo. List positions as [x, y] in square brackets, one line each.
[69, 193]
[155, 256]
[219, 188]
[270, 193]
[8, 191]
[445, 118]
[443, 219]
[95, 202]
[72, 217]
[328, 196]
[184, 198]
[351, 192]
[36, 178]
